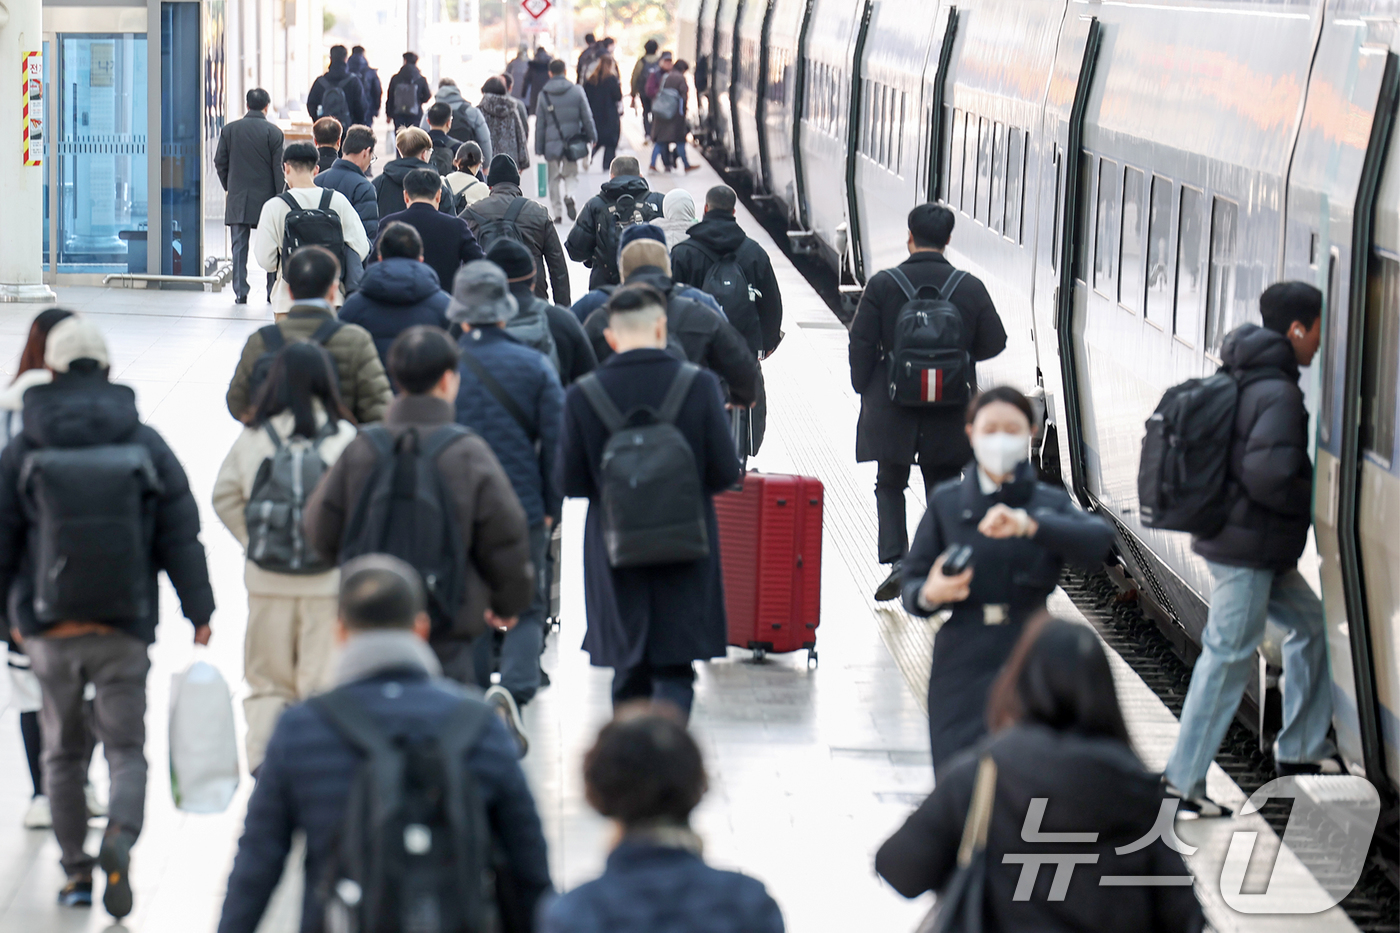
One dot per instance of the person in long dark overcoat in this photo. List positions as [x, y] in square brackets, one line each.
[648, 623]
[249, 163]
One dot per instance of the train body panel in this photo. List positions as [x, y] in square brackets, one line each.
[688, 41]
[704, 55]
[783, 93]
[722, 76]
[749, 98]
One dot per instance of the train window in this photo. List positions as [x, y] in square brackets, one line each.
[1015, 166]
[1106, 227]
[1223, 217]
[867, 123]
[984, 170]
[899, 134]
[996, 216]
[953, 183]
[1130, 252]
[1159, 228]
[1080, 247]
[1379, 352]
[1190, 271]
[969, 188]
[884, 125]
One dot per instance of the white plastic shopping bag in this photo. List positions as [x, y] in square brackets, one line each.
[203, 747]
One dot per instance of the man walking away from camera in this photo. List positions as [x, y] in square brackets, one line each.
[249, 162]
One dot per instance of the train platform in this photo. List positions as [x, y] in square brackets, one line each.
[811, 767]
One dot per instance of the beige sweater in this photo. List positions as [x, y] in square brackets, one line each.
[234, 487]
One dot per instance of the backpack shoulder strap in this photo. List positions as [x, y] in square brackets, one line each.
[601, 402]
[462, 727]
[273, 340]
[903, 282]
[352, 722]
[705, 251]
[290, 201]
[443, 437]
[380, 439]
[326, 331]
[326, 195]
[499, 393]
[946, 292]
[516, 207]
[271, 432]
[676, 394]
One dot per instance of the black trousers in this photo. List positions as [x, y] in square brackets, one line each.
[891, 479]
[241, 234]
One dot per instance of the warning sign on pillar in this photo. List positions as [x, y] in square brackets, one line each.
[33, 64]
[536, 8]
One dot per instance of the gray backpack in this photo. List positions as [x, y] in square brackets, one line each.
[276, 539]
[531, 327]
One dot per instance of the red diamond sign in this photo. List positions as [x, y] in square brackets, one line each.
[536, 8]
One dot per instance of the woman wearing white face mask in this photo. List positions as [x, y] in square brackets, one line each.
[1020, 532]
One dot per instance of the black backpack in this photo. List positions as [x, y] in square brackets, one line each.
[284, 481]
[929, 365]
[313, 226]
[726, 283]
[414, 850]
[624, 212]
[1183, 474]
[274, 341]
[440, 160]
[507, 227]
[334, 103]
[93, 511]
[406, 510]
[406, 98]
[462, 130]
[651, 494]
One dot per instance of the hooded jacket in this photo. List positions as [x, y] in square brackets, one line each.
[388, 187]
[583, 242]
[571, 117]
[396, 294]
[508, 129]
[467, 120]
[720, 233]
[1091, 785]
[83, 409]
[411, 74]
[536, 77]
[1270, 473]
[369, 79]
[538, 233]
[338, 75]
[677, 216]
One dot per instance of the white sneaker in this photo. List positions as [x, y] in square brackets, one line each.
[504, 704]
[96, 806]
[38, 815]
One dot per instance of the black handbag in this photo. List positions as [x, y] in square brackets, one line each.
[959, 906]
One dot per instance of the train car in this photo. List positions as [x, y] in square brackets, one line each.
[721, 122]
[750, 101]
[1128, 177]
[688, 14]
[702, 54]
[784, 92]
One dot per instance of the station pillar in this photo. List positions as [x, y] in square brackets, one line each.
[21, 232]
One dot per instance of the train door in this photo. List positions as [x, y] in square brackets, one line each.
[939, 122]
[1342, 234]
[1062, 241]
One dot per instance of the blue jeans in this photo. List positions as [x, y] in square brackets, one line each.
[664, 151]
[1241, 602]
[520, 651]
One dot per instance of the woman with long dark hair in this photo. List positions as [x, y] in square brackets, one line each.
[1019, 533]
[292, 590]
[1061, 762]
[603, 88]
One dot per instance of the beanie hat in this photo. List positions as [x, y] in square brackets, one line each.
[643, 252]
[640, 231]
[513, 258]
[481, 295]
[503, 171]
[74, 338]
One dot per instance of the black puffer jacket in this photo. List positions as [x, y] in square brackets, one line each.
[82, 410]
[1270, 473]
[1091, 785]
[720, 233]
[584, 242]
[388, 188]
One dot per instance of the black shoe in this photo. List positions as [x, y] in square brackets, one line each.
[76, 894]
[114, 858]
[889, 589]
[1198, 808]
[1325, 766]
[544, 678]
[569, 206]
[241, 301]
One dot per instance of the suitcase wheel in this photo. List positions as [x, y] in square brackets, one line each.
[812, 657]
[760, 653]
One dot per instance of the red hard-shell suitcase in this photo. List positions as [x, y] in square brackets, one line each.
[770, 541]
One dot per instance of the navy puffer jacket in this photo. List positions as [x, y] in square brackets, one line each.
[396, 294]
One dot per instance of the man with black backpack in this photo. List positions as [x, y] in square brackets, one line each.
[337, 93]
[625, 199]
[646, 66]
[1251, 529]
[312, 277]
[919, 331]
[455, 838]
[510, 395]
[646, 440]
[408, 91]
[507, 214]
[443, 156]
[459, 522]
[93, 505]
[305, 215]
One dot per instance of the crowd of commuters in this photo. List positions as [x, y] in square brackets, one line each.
[424, 399]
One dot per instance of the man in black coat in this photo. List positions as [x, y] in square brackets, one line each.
[1254, 558]
[348, 175]
[415, 149]
[649, 623]
[369, 79]
[576, 355]
[448, 243]
[405, 107]
[81, 410]
[536, 229]
[718, 235]
[894, 436]
[307, 778]
[348, 107]
[249, 162]
[593, 246]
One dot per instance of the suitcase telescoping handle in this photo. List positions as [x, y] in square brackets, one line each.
[741, 426]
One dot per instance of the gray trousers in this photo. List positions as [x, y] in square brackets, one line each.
[116, 665]
[240, 234]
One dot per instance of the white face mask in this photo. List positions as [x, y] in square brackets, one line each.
[999, 453]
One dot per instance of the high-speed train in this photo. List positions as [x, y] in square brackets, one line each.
[1129, 175]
